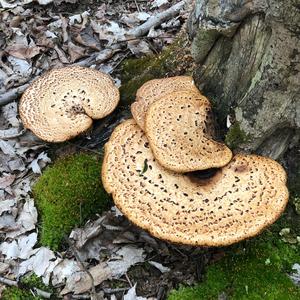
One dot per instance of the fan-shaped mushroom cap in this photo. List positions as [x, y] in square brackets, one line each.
[242, 198]
[62, 103]
[177, 127]
[152, 90]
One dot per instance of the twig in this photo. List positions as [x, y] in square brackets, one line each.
[117, 290]
[42, 293]
[81, 297]
[156, 20]
[83, 267]
[128, 279]
[37, 291]
[137, 6]
[7, 281]
[83, 148]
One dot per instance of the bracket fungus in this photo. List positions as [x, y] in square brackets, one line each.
[154, 89]
[62, 103]
[238, 202]
[178, 129]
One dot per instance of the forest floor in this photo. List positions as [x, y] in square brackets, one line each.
[124, 260]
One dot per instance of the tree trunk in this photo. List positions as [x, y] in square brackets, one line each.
[247, 55]
[248, 64]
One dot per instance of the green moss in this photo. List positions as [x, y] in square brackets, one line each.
[33, 281]
[67, 194]
[14, 293]
[26, 289]
[235, 136]
[174, 60]
[255, 269]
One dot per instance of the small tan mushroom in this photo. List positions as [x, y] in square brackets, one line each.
[152, 90]
[238, 202]
[62, 103]
[178, 129]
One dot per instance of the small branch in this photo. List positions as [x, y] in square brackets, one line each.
[112, 291]
[156, 20]
[83, 267]
[8, 282]
[37, 291]
[43, 294]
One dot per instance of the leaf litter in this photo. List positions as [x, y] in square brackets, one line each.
[39, 35]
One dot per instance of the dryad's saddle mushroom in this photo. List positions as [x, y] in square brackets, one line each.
[238, 202]
[178, 129]
[62, 103]
[152, 90]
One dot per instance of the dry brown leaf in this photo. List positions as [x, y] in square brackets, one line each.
[23, 52]
[61, 54]
[86, 38]
[6, 180]
[75, 52]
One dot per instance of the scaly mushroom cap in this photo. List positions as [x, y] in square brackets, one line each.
[242, 199]
[178, 129]
[62, 103]
[152, 90]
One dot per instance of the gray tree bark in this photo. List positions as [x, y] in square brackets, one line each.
[248, 62]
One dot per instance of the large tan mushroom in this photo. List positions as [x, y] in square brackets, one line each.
[238, 202]
[154, 89]
[178, 129]
[62, 103]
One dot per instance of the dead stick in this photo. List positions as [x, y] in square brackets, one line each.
[10, 282]
[82, 266]
[156, 20]
[7, 281]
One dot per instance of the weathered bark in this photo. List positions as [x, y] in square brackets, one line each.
[248, 63]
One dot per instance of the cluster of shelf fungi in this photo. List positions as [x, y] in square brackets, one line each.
[150, 161]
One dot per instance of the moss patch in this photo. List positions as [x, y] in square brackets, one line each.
[255, 269]
[26, 289]
[235, 136]
[68, 194]
[174, 60]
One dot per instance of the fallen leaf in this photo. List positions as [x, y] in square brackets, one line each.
[7, 149]
[40, 162]
[159, 266]
[38, 262]
[26, 220]
[61, 54]
[10, 112]
[5, 205]
[6, 180]
[10, 133]
[20, 248]
[20, 66]
[75, 52]
[64, 269]
[131, 294]
[23, 52]
[125, 258]
[158, 3]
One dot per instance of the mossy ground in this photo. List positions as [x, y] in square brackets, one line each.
[172, 61]
[26, 289]
[67, 194]
[254, 269]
